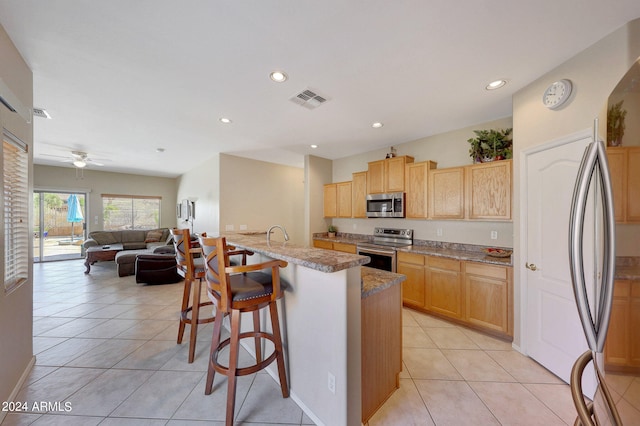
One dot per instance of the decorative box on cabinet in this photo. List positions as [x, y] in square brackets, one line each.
[359, 203]
[489, 190]
[387, 175]
[446, 193]
[416, 178]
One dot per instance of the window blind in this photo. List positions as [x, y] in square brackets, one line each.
[16, 210]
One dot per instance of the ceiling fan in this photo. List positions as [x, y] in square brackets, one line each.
[80, 159]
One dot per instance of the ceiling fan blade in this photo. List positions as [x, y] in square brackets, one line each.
[55, 156]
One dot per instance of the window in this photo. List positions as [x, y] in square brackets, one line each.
[16, 210]
[130, 212]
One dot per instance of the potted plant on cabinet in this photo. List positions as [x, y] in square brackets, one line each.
[331, 231]
[615, 124]
[489, 145]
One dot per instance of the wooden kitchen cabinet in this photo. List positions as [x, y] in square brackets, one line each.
[489, 190]
[337, 199]
[624, 164]
[413, 288]
[416, 178]
[444, 290]
[622, 347]
[446, 193]
[335, 245]
[387, 175]
[476, 294]
[359, 198]
[488, 293]
[330, 200]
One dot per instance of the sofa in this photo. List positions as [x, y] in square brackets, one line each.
[134, 243]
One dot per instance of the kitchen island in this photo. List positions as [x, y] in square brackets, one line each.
[325, 317]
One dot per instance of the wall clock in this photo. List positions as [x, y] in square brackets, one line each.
[557, 94]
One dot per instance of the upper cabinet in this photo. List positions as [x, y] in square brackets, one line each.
[337, 199]
[387, 175]
[359, 195]
[624, 164]
[489, 190]
[446, 193]
[416, 178]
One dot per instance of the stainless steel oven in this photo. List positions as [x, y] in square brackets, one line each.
[382, 249]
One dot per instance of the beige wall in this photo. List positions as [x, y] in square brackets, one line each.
[257, 194]
[594, 72]
[318, 172]
[202, 185]
[16, 307]
[96, 182]
[448, 150]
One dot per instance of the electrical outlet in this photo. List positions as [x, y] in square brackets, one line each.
[331, 383]
[228, 227]
[439, 232]
[494, 235]
[243, 227]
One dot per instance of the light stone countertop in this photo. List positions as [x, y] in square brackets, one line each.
[309, 257]
[473, 256]
[376, 280]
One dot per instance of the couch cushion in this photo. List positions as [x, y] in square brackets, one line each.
[104, 237]
[133, 236]
[134, 245]
[153, 236]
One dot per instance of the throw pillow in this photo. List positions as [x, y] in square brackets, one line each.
[104, 238]
[153, 236]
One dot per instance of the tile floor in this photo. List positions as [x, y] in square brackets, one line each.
[106, 346]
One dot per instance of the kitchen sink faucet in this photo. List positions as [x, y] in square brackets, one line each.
[284, 231]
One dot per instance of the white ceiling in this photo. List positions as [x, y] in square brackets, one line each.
[122, 78]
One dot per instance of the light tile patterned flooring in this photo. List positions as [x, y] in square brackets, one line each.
[106, 346]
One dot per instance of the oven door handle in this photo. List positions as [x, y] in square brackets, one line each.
[374, 251]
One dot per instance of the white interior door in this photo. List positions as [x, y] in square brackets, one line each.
[553, 334]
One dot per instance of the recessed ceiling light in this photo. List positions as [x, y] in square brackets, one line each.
[496, 84]
[225, 120]
[159, 149]
[313, 146]
[278, 76]
[377, 125]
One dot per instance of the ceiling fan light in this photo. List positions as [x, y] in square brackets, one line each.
[79, 163]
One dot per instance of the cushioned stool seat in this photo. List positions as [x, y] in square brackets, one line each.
[157, 269]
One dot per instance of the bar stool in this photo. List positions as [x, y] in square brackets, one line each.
[239, 289]
[192, 269]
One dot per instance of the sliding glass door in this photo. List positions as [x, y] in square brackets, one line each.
[58, 225]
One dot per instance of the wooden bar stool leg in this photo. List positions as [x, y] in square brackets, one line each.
[233, 366]
[256, 328]
[275, 326]
[185, 304]
[215, 342]
[195, 315]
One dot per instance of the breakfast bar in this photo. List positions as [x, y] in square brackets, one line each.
[329, 329]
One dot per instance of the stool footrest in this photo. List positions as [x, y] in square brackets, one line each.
[243, 371]
[184, 315]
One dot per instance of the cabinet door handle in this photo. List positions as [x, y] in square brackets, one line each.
[531, 266]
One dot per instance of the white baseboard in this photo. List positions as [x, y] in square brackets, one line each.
[18, 386]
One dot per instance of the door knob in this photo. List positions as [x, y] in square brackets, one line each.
[531, 266]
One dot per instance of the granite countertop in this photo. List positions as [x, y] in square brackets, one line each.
[474, 256]
[309, 257]
[349, 239]
[376, 280]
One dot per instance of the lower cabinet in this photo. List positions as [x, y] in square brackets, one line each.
[471, 293]
[331, 245]
[622, 347]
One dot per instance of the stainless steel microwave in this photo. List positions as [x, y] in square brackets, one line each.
[386, 205]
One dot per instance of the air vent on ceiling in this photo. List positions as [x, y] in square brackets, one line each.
[308, 99]
[41, 112]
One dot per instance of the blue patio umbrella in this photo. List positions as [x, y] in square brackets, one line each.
[74, 211]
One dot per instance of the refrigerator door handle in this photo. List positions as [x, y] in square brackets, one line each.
[595, 157]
